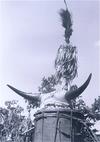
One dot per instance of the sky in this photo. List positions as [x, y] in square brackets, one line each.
[31, 33]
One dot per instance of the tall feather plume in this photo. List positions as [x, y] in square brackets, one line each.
[66, 23]
[66, 59]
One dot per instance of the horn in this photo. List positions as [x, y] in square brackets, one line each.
[24, 94]
[74, 94]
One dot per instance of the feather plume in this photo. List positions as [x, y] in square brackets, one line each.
[66, 23]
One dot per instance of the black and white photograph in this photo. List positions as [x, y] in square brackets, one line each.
[49, 70]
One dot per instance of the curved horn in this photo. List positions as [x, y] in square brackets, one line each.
[24, 94]
[74, 94]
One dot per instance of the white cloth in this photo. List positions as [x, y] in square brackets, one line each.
[57, 98]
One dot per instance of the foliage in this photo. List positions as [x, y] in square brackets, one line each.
[48, 84]
[91, 114]
[96, 108]
[96, 105]
[13, 122]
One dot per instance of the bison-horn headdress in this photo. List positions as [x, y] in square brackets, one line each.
[70, 95]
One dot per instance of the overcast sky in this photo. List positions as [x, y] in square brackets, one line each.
[31, 33]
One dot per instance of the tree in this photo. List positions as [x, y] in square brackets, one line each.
[13, 123]
[96, 108]
[48, 84]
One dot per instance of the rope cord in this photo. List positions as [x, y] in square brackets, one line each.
[56, 126]
[71, 126]
[42, 126]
